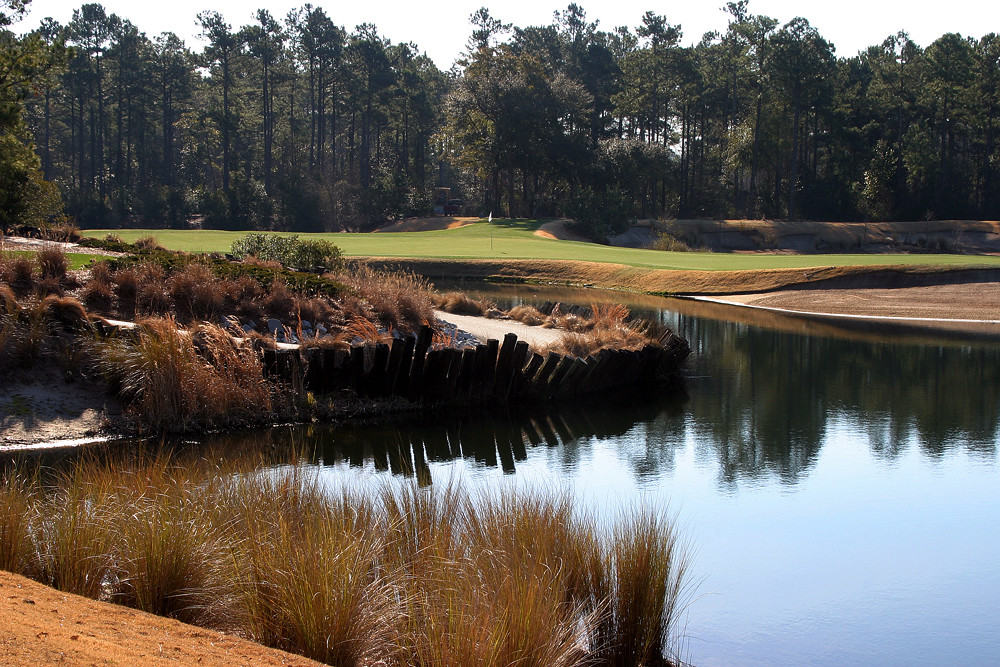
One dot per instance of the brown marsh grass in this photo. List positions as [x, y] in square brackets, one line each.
[17, 271]
[460, 303]
[400, 299]
[173, 384]
[388, 573]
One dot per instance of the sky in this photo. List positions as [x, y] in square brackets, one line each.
[441, 29]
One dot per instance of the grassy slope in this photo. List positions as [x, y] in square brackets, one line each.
[515, 240]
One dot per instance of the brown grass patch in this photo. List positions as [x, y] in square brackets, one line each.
[460, 303]
[170, 386]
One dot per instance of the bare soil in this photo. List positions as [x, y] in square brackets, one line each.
[39, 625]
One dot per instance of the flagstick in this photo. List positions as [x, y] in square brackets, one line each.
[491, 231]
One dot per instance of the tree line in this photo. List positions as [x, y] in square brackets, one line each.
[296, 123]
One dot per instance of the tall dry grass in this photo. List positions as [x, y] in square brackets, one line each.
[460, 303]
[350, 575]
[173, 384]
[399, 299]
[17, 500]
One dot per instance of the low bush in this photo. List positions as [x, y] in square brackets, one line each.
[305, 255]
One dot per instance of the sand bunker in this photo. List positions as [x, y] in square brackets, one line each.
[427, 224]
[559, 230]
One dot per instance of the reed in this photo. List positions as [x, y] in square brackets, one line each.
[648, 568]
[349, 575]
[52, 263]
[17, 499]
[73, 546]
[168, 547]
[172, 384]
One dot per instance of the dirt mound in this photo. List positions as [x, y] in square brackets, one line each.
[427, 224]
[559, 230]
[42, 625]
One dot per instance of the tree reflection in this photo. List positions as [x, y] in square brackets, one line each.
[760, 403]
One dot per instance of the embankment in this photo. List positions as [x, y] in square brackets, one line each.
[684, 282]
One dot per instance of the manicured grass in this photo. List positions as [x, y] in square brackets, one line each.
[76, 260]
[514, 239]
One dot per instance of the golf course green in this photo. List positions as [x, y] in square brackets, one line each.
[515, 239]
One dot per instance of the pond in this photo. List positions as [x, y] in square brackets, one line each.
[838, 488]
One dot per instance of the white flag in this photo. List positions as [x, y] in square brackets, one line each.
[491, 217]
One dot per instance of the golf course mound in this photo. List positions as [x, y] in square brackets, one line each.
[431, 224]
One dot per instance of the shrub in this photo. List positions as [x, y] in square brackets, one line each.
[305, 255]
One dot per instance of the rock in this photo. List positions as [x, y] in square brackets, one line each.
[274, 326]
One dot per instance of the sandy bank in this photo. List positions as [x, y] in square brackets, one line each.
[41, 626]
[484, 329]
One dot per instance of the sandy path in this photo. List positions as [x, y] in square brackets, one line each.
[483, 329]
[40, 625]
[34, 245]
[972, 302]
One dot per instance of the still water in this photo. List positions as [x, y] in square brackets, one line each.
[839, 490]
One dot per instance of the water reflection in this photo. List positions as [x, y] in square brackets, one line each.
[763, 403]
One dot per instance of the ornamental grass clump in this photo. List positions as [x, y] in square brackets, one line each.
[350, 574]
[171, 384]
[397, 299]
[169, 548]
[17, 500]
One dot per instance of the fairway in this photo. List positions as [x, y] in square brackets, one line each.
[515, 239]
